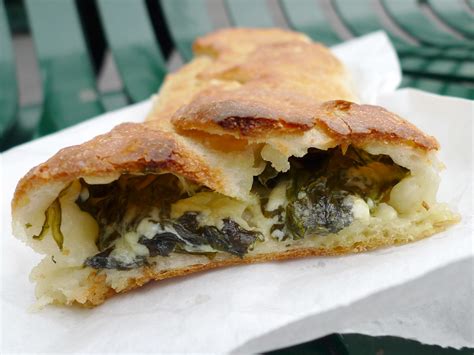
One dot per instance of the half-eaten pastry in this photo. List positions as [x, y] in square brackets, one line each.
[255, 151]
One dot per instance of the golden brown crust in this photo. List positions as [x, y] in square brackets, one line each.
[247, 111]
[262, 83]
[256, 113]
[250, 62]
[129, 148]
[99, 291]
[238, 41]
[351, 123]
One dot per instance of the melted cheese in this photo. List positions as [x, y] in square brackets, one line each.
[411, 194]
[127, 248]
[360, 210]
[385, 212]
[277, 197]
[214, 207]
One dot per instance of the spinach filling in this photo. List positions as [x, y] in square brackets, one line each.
[318, 210]
[52, 222]
[104, 260]
[320, 190]
[322, 187]
[119, 207]
[188, 234]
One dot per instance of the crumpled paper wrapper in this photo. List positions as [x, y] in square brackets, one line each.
[420, 291]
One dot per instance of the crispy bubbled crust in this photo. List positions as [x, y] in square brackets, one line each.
[129, 148]
[255, 84]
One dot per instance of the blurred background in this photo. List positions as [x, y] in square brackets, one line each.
[64, 61]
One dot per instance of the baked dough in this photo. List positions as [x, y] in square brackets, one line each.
[256, 150]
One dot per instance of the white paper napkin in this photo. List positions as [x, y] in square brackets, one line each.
[421, 291]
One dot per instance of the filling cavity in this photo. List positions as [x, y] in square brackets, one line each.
[141, 218]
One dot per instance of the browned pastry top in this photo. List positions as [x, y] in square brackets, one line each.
[258, 83]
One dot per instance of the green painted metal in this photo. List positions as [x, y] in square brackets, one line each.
[359, 344]
[441, 68]
[17, 124]
[8, 84]
[455, 15]
[26, 125]
[470, 4]
[467, 69]
[439, 87]
[329, 345]
[429, 52]
[186, 20]
[137, 55]
[307, 16]
[409, 17]
[69, 91]
[360, 17]
[249, 13]
[458, 90]
[113, 100]
[16, 16]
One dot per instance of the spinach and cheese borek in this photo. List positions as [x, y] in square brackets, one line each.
[254, 151]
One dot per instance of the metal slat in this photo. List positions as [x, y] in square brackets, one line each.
[136, 52]
[70, 95]
[439, 87]
[249, 13]
[408, 16]
[454, 14]
[186, 20]
[447, 69]
[307, 16]
[8, 83]
[360, 344]
[360, 17]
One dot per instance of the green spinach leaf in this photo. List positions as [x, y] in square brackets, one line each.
[104, 260]
[52, 222]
